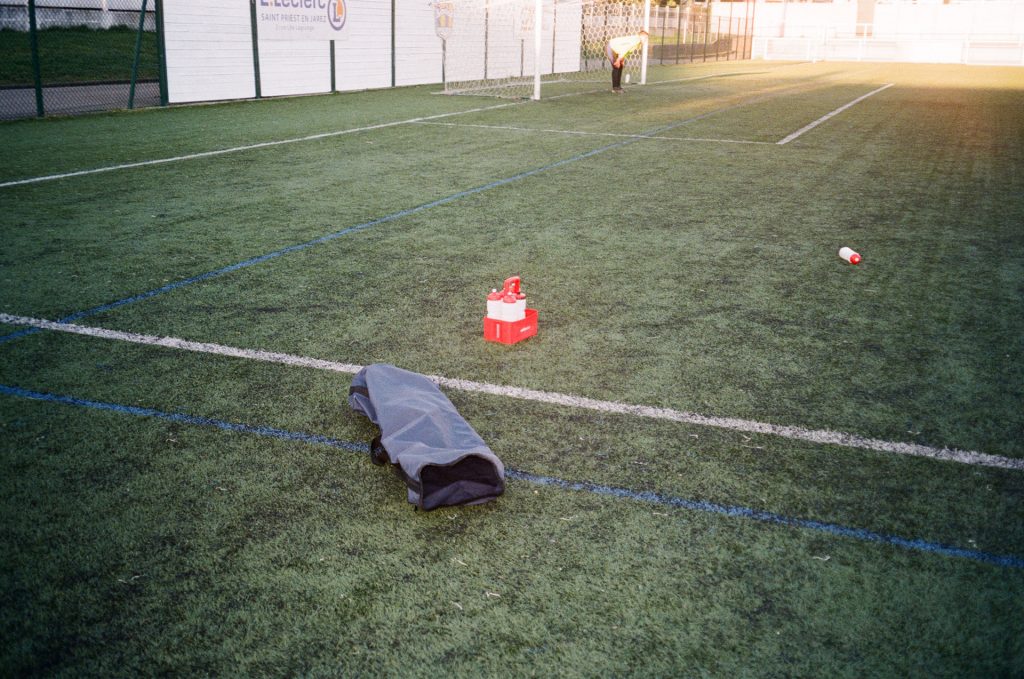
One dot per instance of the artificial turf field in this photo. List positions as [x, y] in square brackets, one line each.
[730, 453]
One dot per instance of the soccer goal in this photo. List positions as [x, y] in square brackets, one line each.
[523, 48]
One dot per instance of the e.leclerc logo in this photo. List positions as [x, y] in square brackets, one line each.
[336, 13]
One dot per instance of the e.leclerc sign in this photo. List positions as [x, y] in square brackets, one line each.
[301, 19]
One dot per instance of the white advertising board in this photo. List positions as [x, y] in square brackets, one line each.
[298, 20]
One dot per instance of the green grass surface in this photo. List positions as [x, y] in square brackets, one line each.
[76, 55]
[695, 275]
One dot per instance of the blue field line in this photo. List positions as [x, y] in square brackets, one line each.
[344, 232]
[183, 419]
[650, 497]
[770, 517]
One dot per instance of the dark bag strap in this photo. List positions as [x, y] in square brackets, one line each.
[378, 453]
[412, 483]
[379, 456]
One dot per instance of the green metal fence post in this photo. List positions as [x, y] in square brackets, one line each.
[135, 61]
[707, 29]
[554, 36]
[728, 55]
[718, 39]
[661, 47]
[255, 47]
[392, 43]
[33, 39]
[161, 50]
[679, 24]
[334, 86]
[753, 17]
[746, 18]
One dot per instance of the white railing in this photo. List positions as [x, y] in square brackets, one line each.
[830, 43]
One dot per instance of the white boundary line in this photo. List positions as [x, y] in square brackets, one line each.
[325, 135]
[423, 119]
[602, 80]
[581, 133]
[819, 121]
[699, 77]
[249, 147]
[821, 436]
[186, 345]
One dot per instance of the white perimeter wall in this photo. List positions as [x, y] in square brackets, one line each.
[417, 47]
[210, 57]
[209, 50]
[990, 32]
[363, 55]
[989, 18]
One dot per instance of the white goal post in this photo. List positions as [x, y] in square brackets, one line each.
[523, 48]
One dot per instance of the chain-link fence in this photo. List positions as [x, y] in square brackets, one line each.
[692, 32]
[63, 57]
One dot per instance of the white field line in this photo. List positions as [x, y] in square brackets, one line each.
[513, 128]
[323, 135]
[649, 84]
[186, 345]
[821, 436]
[700, 77]
[819, 121]
[248, 147]
[603, 89]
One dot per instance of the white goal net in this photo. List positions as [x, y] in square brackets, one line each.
[499, 48]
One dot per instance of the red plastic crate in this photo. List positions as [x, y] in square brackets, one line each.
[510, 332]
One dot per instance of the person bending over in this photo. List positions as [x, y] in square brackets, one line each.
[617, 50]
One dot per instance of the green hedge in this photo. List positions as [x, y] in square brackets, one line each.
[76, 55]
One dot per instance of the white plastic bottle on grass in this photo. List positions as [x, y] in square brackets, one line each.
[514, 307]
[849, 255]
[494, 304]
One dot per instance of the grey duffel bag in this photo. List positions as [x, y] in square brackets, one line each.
[442, 460]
